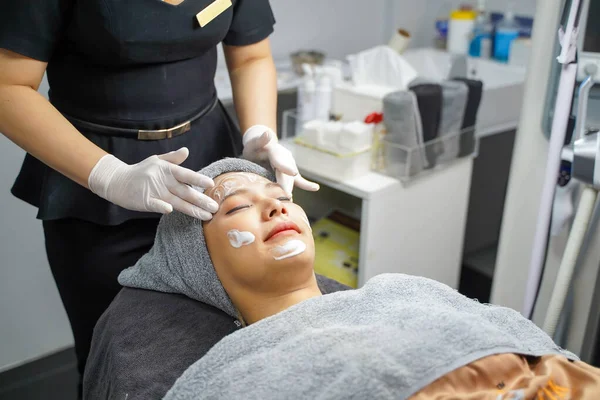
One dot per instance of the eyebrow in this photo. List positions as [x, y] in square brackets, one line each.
[244, 190]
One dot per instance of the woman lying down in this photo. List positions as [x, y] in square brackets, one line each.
[397, 337]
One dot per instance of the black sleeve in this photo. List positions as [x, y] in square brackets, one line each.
[33, 27]
[252, 22]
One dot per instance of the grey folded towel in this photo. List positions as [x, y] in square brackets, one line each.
[387, 340]
[402, 122]
[179, 261]
[454, 104]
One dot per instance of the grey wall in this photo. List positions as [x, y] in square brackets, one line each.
[32, 320]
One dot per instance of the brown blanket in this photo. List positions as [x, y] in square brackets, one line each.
[515, 377]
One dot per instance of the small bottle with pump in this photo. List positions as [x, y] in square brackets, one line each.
[481, 44]
[506, 32]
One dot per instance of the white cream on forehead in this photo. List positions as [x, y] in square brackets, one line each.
[238, 239]
[232, 183]
[290, 249]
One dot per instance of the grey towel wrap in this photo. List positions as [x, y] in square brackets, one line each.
[179, 261]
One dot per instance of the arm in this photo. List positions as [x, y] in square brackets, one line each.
[254, 83]
[31, 122]
[157, 184]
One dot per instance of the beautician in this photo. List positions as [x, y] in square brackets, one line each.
[132, 114]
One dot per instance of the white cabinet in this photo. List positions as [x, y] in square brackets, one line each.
[415, 228]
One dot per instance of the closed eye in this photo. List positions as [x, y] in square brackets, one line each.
[248, 205]
[237, 209]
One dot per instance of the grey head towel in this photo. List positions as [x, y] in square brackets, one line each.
[179, 261]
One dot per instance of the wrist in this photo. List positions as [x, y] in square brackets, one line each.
[256, 131]
[102, 174]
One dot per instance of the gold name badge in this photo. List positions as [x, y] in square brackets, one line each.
[212, 11]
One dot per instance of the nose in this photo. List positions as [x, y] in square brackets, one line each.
[274, 208]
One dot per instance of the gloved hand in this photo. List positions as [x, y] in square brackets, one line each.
[157, 184]
[261, 144]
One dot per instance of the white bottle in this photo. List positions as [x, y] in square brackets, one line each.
[460, 31]
[322, 95]
[306, 99]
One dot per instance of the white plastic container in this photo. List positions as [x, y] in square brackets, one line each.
[460, 31]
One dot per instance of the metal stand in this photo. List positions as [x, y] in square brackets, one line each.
[567, 58]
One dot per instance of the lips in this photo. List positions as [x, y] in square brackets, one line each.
[283, 227]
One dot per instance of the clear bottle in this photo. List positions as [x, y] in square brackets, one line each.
[481, 44]
[506, 32]
[323, 92]
[305, 108]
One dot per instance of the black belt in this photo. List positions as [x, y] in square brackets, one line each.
[144, 134]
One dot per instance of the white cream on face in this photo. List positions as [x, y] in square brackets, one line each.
[232, 183]
[239, 239]
[290, 249]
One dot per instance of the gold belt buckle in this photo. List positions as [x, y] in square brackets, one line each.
[164, 133]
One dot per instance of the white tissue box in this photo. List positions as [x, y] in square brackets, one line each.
[355, 103]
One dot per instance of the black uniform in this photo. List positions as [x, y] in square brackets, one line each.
[116, 67]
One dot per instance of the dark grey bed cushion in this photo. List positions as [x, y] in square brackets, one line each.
[145, 340]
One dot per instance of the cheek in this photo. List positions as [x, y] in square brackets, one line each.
[240, 231]
[299, 216]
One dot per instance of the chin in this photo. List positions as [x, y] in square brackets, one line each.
[305, 259]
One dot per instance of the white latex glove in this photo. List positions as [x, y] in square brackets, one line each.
[261, 144]
[157, 184]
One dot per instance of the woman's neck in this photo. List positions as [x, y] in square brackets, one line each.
[265, 306]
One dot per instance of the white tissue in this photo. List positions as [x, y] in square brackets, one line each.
[381, 66]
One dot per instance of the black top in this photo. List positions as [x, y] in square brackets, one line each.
[142, 64]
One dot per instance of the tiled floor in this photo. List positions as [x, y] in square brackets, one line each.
[51, 378]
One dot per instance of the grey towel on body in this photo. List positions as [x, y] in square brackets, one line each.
[179, 261]
[387, 340]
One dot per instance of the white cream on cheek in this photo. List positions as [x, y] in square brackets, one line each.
[238, 239]
[290, 249]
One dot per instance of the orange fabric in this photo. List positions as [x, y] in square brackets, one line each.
[515, 377]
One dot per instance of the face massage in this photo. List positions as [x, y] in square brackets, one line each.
[260, 324]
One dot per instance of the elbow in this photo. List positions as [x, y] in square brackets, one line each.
[242, 57]
[248, 61]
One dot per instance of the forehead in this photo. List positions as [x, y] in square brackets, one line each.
[232, 182]
[242, 178]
